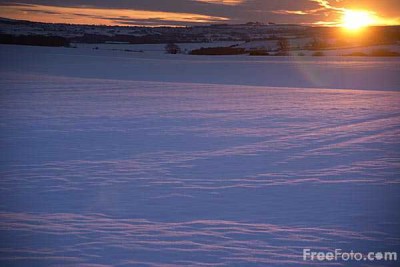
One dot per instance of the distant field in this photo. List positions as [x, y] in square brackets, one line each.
[363, 73]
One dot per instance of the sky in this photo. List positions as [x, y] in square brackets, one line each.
[197, 12]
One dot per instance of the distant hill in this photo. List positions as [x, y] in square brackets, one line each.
[132, 34]
[251, 32]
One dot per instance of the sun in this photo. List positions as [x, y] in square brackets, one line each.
[355, 20]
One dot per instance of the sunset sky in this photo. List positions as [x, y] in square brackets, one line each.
[195, 12]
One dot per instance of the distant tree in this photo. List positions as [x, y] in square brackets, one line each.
[213, 51]
[172, 48]
[356, 54]
[283, 44]
[258, 53]
[318, 54]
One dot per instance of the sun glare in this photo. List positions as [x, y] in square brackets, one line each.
[354, 20]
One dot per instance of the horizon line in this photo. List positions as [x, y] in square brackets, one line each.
[311, 25]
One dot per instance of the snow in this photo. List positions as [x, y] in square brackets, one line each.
[144, 159]
[299, 72]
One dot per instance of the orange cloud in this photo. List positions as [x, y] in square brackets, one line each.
[325, 4]
[223, 2]
[82, 15]
[332, 12]
[291, 12]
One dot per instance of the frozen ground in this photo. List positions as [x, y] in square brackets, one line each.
[116, 160]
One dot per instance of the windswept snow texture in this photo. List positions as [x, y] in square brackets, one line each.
[101, 172]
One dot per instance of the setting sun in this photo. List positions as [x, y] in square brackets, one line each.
[355, 20]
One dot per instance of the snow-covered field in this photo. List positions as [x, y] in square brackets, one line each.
[124, 159]
[296, 72]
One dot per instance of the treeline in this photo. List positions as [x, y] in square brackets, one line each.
[35, 40]
[214, 51]
[375, 53]
[370, 36]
